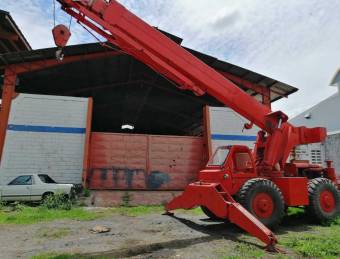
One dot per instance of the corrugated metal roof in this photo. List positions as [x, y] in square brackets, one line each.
[279, 89]
[12, 39]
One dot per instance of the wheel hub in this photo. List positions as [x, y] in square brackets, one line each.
[263, 205]
[327, 201]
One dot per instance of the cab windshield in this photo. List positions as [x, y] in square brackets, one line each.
[219, 157]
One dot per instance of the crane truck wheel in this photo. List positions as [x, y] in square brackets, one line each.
[263, 199]
[324, 199]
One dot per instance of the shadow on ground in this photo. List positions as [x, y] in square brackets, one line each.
[212, 230]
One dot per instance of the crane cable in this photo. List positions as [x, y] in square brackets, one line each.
[54, 11]
[59, 52]
[54, 16]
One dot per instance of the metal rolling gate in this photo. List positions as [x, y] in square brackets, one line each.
[144, 162]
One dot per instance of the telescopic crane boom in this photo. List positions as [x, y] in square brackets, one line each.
[135, 37]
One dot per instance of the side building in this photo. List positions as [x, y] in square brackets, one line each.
[322, 114]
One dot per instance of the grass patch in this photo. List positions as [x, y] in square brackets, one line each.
[146, 210]
[32, 215]
[323, 242]
[137, 211]
[53, 233]
[243, 250]
[295, 212]
[195, 212]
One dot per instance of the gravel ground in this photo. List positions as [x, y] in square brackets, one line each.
[149, 236]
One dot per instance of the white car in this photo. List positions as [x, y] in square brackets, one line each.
[33, 187]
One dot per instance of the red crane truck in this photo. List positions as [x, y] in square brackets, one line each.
[250, 188]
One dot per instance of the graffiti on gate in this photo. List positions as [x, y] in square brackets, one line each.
[123, 177]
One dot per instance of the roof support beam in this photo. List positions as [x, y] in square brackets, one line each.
[44, 64]
[4, 46]
[8, 35]
[259, 89]
[8, 92]
[15, 46]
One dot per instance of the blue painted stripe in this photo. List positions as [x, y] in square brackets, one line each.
[46, 129]
[233, 137]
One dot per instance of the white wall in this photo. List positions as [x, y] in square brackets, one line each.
[46, 134]
[323, 114]
[226, 128]
[332, 147]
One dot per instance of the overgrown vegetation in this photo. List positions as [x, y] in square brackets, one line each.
[2, 205]
[126, 198]
[57, 201]
[86, 192]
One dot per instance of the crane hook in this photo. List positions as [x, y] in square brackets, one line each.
[61, 35]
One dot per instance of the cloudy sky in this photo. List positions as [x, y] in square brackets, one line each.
[294, 41]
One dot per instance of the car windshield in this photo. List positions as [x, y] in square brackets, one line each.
[219, 157]
[46, 179]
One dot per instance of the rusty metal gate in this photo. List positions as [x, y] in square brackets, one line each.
[144, 162]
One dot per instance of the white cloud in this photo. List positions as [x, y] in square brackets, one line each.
[35, 19]
[296, 42]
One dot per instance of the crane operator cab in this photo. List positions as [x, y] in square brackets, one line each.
[232, 166]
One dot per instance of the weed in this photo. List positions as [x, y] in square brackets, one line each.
[126, 198]
[336, 222]
[2, 205]
[57, 201]
[295, 212]
[86, 192]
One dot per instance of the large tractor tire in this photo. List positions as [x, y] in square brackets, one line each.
[324, 199]
[263, 199]
[210, 214]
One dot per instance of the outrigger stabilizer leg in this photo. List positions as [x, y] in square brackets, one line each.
[221, 203]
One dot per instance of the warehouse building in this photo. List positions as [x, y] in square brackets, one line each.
[103, 119]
